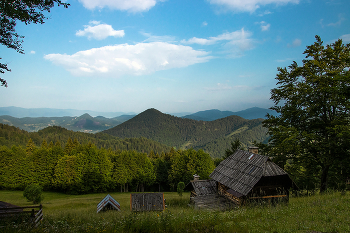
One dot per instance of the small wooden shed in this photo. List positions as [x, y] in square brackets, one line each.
[204, 195]
[245, 175]
[147, 202]
[108, 203]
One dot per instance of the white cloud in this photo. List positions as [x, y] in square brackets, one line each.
[296, 43]
[248, 5]
[32, 52]
[266, 12]
[338, 23]
[264, 26]
[124, 5]
[236, 42]
[99, 31]
[153, 38]
[138, 59]
[345, 38]
[204, 24]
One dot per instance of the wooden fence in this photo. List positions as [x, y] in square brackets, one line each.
[14, 212]
[147, 202]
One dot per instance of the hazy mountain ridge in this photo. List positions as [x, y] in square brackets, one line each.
[212, 136]
[214, 114]
[84, 123]
[52, 112]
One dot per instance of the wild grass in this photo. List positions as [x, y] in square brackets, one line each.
[68, 213]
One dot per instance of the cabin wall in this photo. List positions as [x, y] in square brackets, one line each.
[222, 190]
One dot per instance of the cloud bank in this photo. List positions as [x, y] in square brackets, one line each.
[138, 59]
[248, 5]
[99, 31]
[236, 42]
[123, 5]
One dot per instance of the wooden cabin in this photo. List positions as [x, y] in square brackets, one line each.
[245, 176]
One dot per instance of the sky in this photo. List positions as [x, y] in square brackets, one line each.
[171, 55]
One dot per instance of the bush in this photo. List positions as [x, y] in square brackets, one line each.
[180, 188]
[33, 193]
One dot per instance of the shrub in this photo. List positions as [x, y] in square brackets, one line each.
[33, 193]
[180, 188]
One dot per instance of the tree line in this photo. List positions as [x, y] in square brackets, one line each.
[83, 168]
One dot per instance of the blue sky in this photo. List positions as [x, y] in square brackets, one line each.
[172, 55]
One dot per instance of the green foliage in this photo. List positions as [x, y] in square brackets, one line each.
[313, 126]
[184, 164]
[34, 193]
[235, 145]
[84, 168]
[10, 136]
[180, 188]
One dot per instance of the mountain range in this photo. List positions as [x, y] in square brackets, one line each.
[89, 124]
[214, 137]
[84, 123]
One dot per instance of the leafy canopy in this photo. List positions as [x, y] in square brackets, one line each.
[313, 103]
[26, 11]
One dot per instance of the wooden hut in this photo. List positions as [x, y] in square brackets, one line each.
[108, 203]
[204, 194]
[147, 202]
[245, 176]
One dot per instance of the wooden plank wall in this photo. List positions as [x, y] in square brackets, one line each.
[147, 202]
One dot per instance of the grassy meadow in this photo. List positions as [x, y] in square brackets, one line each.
[77, 213]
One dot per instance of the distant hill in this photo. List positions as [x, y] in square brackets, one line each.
[212, 136]
[52, 112]
[10, 135]
[84, 123]
[214, 114]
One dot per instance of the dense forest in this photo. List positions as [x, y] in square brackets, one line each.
[12, 136]
[83, 168]
[211, 136]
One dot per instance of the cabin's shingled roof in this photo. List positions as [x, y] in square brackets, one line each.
[204, 187]
[242, 170]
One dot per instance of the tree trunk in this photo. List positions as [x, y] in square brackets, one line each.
[324, 177]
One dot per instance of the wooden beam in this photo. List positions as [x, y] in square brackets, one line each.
[268, 196]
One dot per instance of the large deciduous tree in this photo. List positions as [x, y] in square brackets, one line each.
[312, 100]
[26, 11]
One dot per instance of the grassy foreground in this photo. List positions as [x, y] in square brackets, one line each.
[69, 213]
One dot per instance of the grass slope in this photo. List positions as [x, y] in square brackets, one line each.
[65, 213]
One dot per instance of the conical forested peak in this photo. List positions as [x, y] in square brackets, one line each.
[85, 116]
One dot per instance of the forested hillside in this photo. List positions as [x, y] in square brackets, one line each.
[12, 136]
[213, 136]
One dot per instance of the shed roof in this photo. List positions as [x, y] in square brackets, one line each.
[243, 169]
[106, 202]
[204, 187]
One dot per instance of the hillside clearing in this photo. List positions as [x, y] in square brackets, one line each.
[319, 213]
